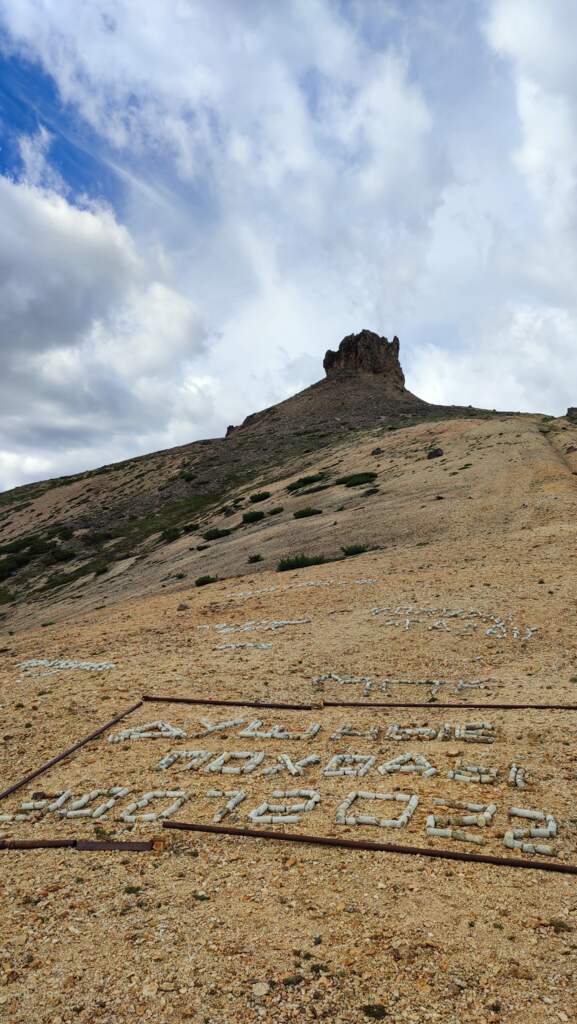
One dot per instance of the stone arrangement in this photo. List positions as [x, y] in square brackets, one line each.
[517, 776]
[243, 647]
[473, 773]
[236, 797]
[351, 730]
[343, 817]
[364, 681]
[386, 685]
[221, 763]
[478, 816]
[178, 797]
[546, 828]
[283, 813]
[253, 731]
[285, 763]
[349, 764]
[149, 731]
[212, 727]
[196, 759]
[254, 624]
[449, 620]
[416, 763]
[54, 665]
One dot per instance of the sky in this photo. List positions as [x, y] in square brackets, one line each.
[197, 200]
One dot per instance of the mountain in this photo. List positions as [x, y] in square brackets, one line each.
[451, 608]
[140, 525]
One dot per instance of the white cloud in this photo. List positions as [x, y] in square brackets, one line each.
[313, 169]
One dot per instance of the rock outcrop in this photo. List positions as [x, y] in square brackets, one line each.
[366, 352]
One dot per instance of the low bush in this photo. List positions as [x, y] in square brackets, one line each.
[255, 558]
[276, 511]
[5, 596]
[215, 534]
[304, 513]
[259, 496]
[354, 549]
[202, 581]
[299, 562]
[355, 479]
[252, 517]
[304, 481]
[171, 533]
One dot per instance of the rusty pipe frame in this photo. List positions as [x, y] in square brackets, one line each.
[218, 702]
[366, 844]
[66, 753]
[84, 845]
[433, 705]
[428, 705]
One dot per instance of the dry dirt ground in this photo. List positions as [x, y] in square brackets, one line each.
[218, 929]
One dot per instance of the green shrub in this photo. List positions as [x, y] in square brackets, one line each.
[252, 517]
[5, 596]
[202, 581]
[215, 534]
[304, 513]
[190, 528]
[354, 549]
[276, 511]
[299, 562]
[171, 533]
[60, 555]
[255, 558]
[304, 481]
[259, 496]
[354, 479]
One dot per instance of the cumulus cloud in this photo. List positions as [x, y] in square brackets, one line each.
[313, 169]
[91, 334]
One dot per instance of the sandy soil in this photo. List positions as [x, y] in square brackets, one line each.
[218, 929]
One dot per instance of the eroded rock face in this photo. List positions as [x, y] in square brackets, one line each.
[366, 352]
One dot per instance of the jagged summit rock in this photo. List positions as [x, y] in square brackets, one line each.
[366, 352]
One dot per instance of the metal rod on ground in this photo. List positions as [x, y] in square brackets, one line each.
[66, 753]
[84, 845]
[365, 844]
[433, 705]
[227, 703]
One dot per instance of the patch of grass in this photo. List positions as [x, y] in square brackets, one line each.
[5, 596]
[304, 513]
[354, 549]
[355, 479]
[255, 558]
[215, 534]
[252, 517]
[203, 581]
[190, 527]
[259, 496]
[299, 562]
[276, 511]
[171, 533]
[304, 481]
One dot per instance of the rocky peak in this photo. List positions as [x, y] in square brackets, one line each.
[366, 352]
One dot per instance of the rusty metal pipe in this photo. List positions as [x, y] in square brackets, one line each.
[66, 753]
[226, 703]
[433, 705]
[365, 844]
